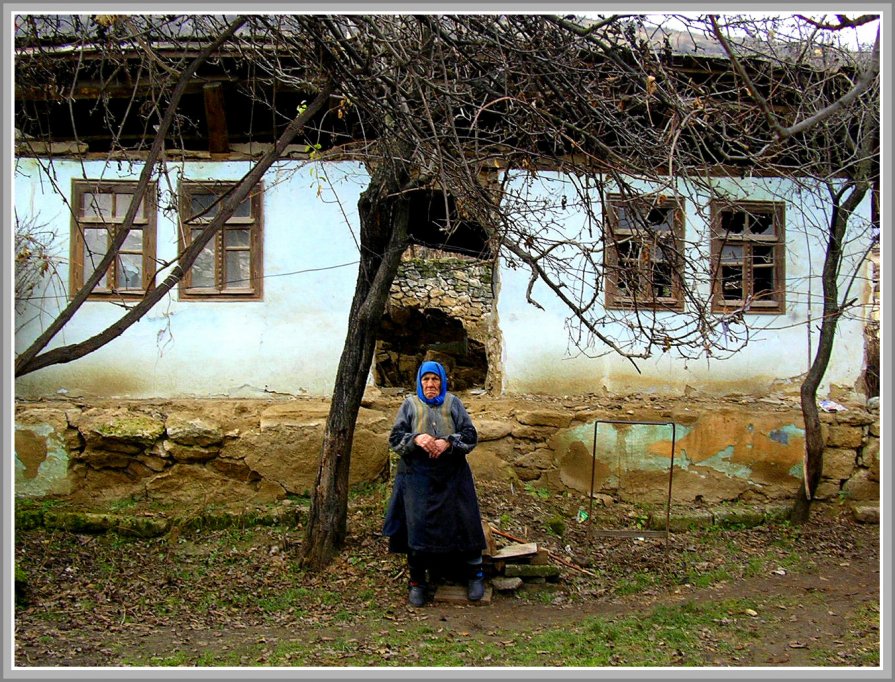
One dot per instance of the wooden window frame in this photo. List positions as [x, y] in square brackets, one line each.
[80, 222]
[253, 291]
[777, 244]
[616, 298]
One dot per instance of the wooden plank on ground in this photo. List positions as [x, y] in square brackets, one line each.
[456, 594]
[519, 550]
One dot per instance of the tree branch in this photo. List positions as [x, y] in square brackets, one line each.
[25, 358]
[71, 352]
[864, 82]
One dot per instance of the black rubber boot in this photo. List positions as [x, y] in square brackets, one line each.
[475, 590]
[418, 594]
[419, 584]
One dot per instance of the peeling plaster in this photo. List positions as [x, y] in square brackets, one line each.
[626, 447]
[729, 443]
[681, 461]
[722, 463]
[51, 475]
[782, 435]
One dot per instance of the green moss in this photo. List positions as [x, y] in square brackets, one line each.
[21, 585]
[29, 519]
[142, 526]
[78, 522]
[134, 427]
[557, 525]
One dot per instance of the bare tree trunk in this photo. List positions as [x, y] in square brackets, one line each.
[384, 236]
[832, 310]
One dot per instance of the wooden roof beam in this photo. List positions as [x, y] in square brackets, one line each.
[216, 119]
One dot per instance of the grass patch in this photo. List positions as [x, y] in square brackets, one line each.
[538, 492]
[637, 582]
[705, 579]
[861, 645]
[665, 636]
[288, 600]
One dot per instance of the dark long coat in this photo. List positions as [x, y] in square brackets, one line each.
[434, 507]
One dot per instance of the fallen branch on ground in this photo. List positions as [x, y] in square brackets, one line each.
[557, 559]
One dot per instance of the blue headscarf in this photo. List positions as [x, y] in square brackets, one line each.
[431, 367]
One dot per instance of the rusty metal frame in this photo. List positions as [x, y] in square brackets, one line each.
[608, 532]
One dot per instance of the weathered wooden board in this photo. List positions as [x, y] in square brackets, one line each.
[456, 594]
[519, 550]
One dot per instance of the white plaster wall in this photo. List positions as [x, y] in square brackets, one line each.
[540, 359]
[290, 342]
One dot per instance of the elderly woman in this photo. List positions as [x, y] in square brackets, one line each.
[433, 515]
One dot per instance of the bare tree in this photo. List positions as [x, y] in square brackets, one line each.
[474, 107]
[176, 80]
[836, 129]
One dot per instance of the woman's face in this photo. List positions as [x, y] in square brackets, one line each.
[431, 384]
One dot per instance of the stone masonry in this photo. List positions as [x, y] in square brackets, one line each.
[452, 298]
[201, 452]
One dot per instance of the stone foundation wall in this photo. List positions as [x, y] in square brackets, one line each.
[201, 452]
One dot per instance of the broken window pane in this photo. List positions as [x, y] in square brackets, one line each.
[630, 283]
[96, 206]
[629, 250]
[133, 241]
[102, 207]
[732, 282]
[763, 255]
[748, 240]
[663, 280]
[762, 224]
[646, 233]
[733, 222]
[130, 271]
[203, 267]
[227, 264]
[763, 283]
[95, 245]
[660, 218]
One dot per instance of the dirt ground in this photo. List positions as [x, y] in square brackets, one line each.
[102, 600]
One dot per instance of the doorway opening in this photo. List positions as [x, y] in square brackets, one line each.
[408, 336]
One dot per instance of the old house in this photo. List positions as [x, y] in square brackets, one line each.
[225, 380]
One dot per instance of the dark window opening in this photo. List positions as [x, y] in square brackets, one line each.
[436, 223]
[643, 255]
[407, 336]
